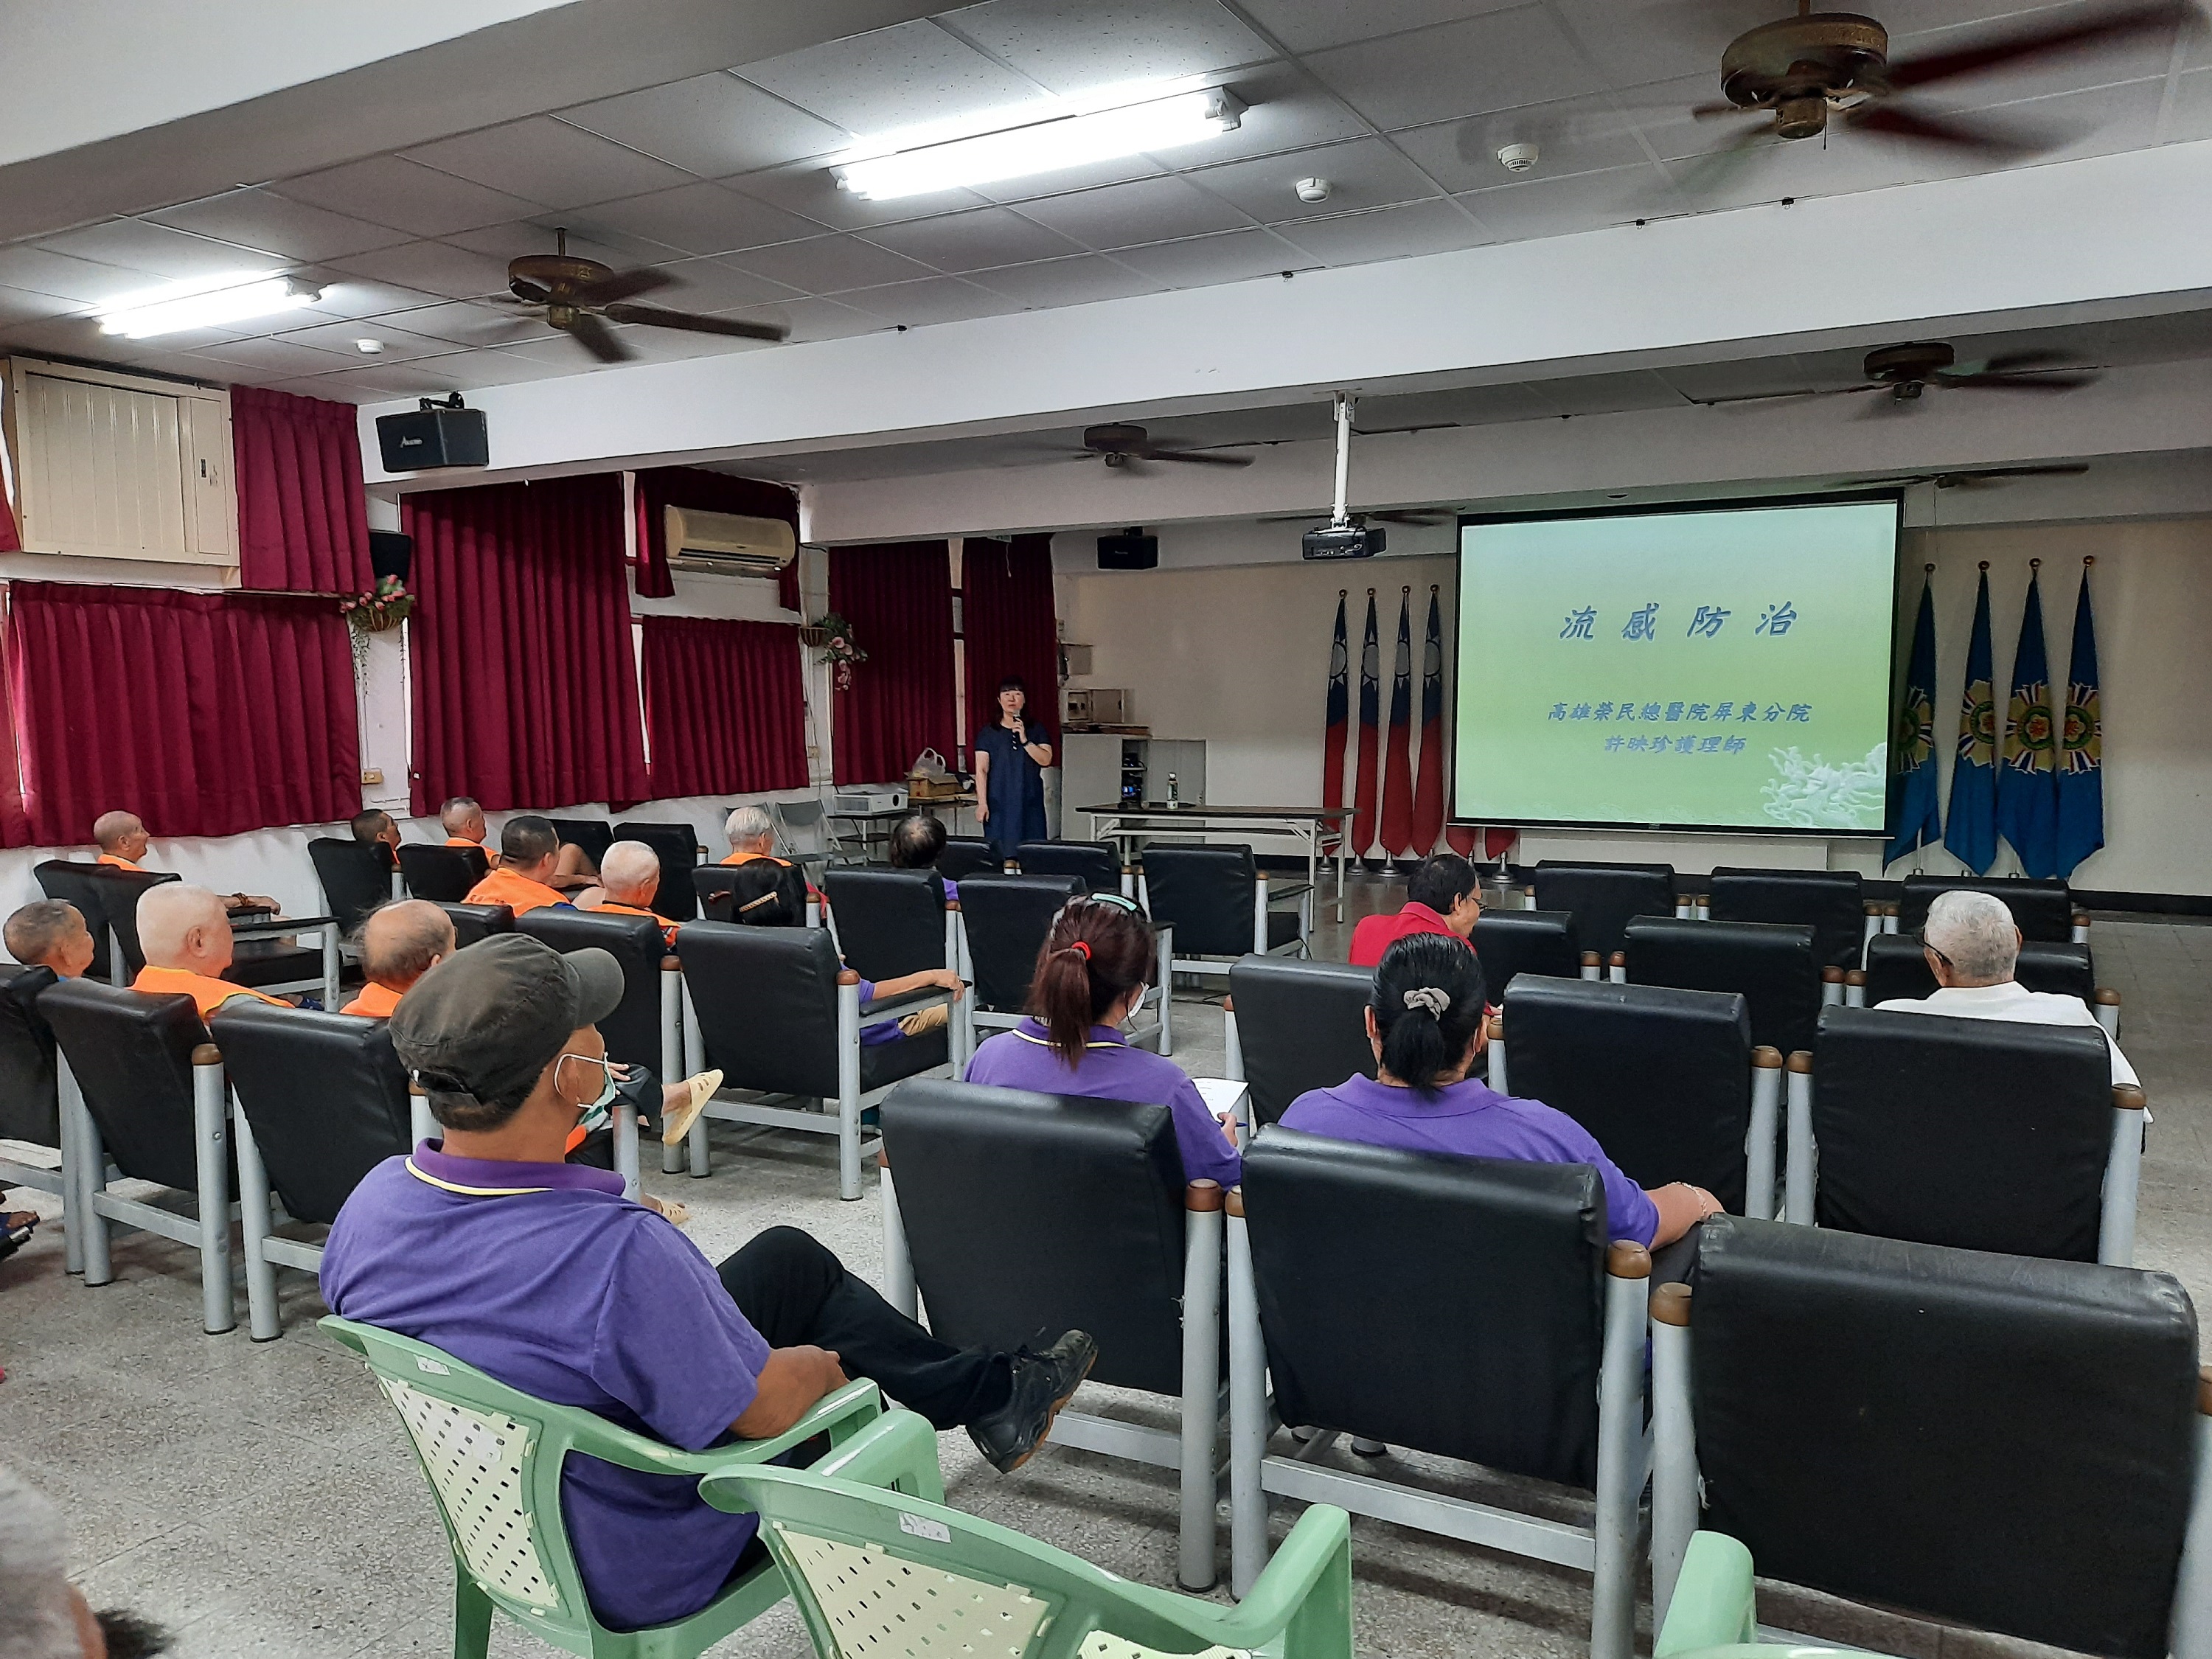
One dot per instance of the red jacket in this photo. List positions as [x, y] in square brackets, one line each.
[1375, 935]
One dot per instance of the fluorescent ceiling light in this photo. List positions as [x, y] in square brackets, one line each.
[1044, 146]
[204, 304]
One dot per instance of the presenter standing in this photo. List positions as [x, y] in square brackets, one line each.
[1011, 755]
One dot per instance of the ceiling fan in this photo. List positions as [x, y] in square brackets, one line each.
[1822, 67]
[1975, 477]
[1119, 444]
[581, 296]
[1905, 371]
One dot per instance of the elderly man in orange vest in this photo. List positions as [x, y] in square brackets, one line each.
[529, 858]
[463, 823]
[629, 878]
[122, 840]
[186, 938]
[400, 942]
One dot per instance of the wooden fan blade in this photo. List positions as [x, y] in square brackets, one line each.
[692, 322]
[1696, 175]
[1978, 137]
[1709, 111]
[595, 337]
[620, 286]
[2011, 363]
[1194, 457]
[528, 293]
[2024, 382]
[2024, 45]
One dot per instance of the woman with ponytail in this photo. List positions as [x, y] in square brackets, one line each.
[1425, 1020]
[1095, 963]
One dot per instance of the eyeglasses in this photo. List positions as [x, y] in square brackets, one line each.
[1936, 953]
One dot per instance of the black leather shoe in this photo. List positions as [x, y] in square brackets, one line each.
[1043, 1383]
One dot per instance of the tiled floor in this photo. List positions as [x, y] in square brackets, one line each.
[260, 1498]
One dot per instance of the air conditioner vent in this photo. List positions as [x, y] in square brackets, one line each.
[728, 544]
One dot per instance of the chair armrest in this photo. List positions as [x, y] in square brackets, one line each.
[857, 1402]
[277, 927]
[897, 1451]
[1312, 1571]
[1713, 1606]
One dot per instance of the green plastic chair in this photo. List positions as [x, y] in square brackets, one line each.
[883, 1576]
[1714, 1613]
[493, 1456]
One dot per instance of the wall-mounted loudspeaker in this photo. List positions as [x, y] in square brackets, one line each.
[1131, 550]
[435, 435]
[390, 553]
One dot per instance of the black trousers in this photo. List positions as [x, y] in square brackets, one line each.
[797, 1294]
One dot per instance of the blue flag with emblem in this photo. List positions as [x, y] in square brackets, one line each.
[1970, 830]
[2081, 745]
[1914, 819]
[2027, 802]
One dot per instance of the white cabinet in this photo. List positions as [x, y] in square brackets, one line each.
[119, 466]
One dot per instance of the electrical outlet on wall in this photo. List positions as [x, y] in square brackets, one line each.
[371, 776]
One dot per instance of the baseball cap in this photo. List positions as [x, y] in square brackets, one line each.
[486, 1021]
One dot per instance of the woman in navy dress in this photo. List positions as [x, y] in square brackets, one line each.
[1010, 755]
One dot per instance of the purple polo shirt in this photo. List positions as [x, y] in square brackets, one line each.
[1472, 1120]
[544, 1277]
[1110, 1069]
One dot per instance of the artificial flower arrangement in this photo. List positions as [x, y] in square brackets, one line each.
[838, 648]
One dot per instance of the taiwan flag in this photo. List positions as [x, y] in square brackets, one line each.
[1970, 829]
[1398, 767]
[1370, 715]
[1429, 784]
[1334, 732]
[2027, 801]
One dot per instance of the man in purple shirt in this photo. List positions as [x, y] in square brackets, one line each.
[541, 1274]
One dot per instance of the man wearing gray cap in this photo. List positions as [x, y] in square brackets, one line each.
[540, 1273]
[1973, 944]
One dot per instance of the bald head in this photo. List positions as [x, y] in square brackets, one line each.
[181, 926]
[49, 933]
[121, 834]
[631, 874]
[1975, 937]
[463, 817]
[402, 941]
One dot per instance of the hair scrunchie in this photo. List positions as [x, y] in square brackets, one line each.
[1434, 999]
[1082, 948]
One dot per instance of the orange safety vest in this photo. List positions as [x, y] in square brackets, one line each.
[208, 994]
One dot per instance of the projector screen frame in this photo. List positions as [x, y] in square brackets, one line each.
[1653, 509]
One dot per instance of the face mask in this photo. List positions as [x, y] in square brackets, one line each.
[594, 1114]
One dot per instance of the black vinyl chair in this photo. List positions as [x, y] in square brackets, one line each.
[890, 921]
[1004, 919]
[1096, 863]
[1940, 1432]
[777, 1011]
[142, 1088]
[1292, 1026]
[1832, 903]
[270, 962]
[1897, 967]
[1978, 1135]
[1775, 965]
[473, 922]
[966, 855]
[317, 1100]
[759, 893]
[677, 846]
[2043, 909]
[1018, 1216]
[1510, 942]
[356, 877]
[647, 1027]
[1601, 897]
[30, 1107]
[1517, 1299]
[594, 836]
[1666, 1080]
[444, 875]
[79, 884]
[1217, 899]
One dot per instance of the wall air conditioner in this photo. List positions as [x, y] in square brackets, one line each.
[727, 543]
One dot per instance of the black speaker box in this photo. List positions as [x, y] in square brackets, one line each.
[390, 553]
[1131, 550]
[425, 438]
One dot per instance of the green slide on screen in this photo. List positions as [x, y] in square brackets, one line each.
[1722, 669]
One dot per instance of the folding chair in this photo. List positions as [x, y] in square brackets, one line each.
[803, 835]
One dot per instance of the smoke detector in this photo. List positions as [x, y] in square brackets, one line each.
[1517, 158]
[1313, 190]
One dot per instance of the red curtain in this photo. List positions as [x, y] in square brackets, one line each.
[525, 688]
[1010, 625]
[725, 707]
[302, 518]
[898, 596]
[662, 487]
[206, 714]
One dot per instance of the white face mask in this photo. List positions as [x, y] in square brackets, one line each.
[593, 1114]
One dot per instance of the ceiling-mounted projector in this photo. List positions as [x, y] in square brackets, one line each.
[1354, 540]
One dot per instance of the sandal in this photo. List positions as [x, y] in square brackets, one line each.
[676, 1123]
[674, 1210]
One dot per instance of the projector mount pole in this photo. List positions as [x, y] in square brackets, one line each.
[1342, 516]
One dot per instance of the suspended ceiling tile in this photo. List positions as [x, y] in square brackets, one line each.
[1310, 25]
[1577, 134]
[508, 365]
[460, 322]
[2135, 59]
[1365, 172]
[1144, 211]
[826, 265]
[1582, 201]
[588, 238]
[716, 285]
[1078, 46]
[21, 305]
[2096, 121]
[347, 295]
[292, 230]
[1286, 110]
[390, 189]
[974, 240]
[547, 161]
[930, 300]
[1501, 60]
[282, 359]
[1391, 233]
[815, 318]
[433, 267]
[82, 281]
[1228, 257]
[399, 344]
[711, 125]
[889, 81]
[383, 382]
[1660, 113]
[700, 218]
[139, 245]
[1803, 167]
[1073, 282]
[809, 190]
[1636, 41]
[1063, 181]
